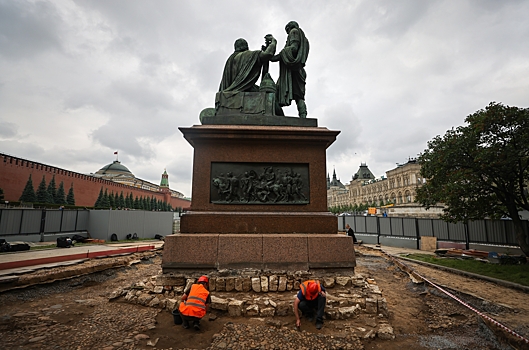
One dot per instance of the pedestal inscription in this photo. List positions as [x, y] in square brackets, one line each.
[259, 183]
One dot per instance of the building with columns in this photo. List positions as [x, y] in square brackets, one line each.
[394, 193]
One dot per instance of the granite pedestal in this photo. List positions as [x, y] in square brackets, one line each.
[296, 233]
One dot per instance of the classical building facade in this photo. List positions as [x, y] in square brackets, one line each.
[398, 188]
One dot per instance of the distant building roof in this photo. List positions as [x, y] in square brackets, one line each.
[114, 168]
[363, 173]
[335, 182]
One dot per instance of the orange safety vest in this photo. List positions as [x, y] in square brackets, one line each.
[195, 304]
[304, 287]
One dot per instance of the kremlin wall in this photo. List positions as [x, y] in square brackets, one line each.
[14, 174]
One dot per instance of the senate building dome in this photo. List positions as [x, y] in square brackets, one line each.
[114, 168]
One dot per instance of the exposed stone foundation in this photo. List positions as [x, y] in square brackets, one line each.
[253, 294]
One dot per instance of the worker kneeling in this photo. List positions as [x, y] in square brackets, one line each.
[311, 297]
[195, 303]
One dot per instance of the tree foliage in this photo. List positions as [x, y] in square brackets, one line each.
[52, 191]
[481, 169]
[28, 194]
[60, 197]
[70, 198]
[42, 191]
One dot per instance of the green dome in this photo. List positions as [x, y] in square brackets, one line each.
[113, 168]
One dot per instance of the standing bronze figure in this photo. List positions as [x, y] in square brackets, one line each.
[292, 75]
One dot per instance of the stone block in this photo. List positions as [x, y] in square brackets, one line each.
[235, 308]
[256, 284]
[385, 331]
[240, 251]
[371, 306]
[342, 280]
[252, 310]
[282, 284]
[267, 312]
[328, 282]
[331, 250]
[285, 251]
[170, 280]
[284, 308]
[246, 284]
[200, 252]
[212, 284]
[238, 284]
[290, 285]
[273, 283]
[220, 284]
[219, 303]
[230, 284]
[171, 304]
[348, 311]
[264, 284]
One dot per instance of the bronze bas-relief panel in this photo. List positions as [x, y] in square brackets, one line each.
[259, 183]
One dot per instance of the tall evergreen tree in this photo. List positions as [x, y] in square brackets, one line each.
[111, 200]
[146, 205]
[105, 202]
[60, 196]
[1, 194]
[121, 202]
[42, 191]
[136, 203]
[28, 195]
[153, 203]
[116, 200]
[128, 204]
[70, 199]
[52, 191]
[97, 204]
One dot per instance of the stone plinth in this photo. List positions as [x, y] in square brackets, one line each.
[292, 231]
[290, 252]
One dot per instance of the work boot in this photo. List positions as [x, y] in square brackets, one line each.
[319, 324]
[185, 324]
[196, 325]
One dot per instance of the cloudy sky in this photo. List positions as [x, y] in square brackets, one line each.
[80, 80]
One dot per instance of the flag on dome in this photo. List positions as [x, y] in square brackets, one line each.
[116, 152]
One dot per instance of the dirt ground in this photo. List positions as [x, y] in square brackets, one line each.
[76, 314]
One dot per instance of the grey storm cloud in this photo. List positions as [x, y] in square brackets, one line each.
[82, 79]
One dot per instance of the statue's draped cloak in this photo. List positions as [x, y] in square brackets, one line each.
[241, 71]
[292, 75]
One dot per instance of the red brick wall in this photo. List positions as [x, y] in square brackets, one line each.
[14, 173]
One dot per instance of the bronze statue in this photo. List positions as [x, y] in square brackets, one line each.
[243, 67]
[292, 75]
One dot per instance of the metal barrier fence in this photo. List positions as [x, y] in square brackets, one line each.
[16, 222]
[35, 224]
[488, 232]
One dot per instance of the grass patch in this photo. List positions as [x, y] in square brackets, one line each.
[512, 273]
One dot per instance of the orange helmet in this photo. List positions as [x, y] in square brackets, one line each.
[204, 279]
[312, 289]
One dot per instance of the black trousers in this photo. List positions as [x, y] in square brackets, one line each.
[308, 307]
[188, 319]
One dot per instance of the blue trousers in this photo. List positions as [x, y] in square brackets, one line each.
[307, 307]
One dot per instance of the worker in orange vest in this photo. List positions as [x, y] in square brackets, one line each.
[311, 297]
[195, 303]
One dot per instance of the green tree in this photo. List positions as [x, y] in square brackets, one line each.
[111, 201]
[52, 191]
[136, 203]
[105, 202]
[121, 201]
[128, 203]
[146, 204]
[99, 199]
[42, 191]
[28, 195]
[70, 198]
[482, 169]
[60, 195]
